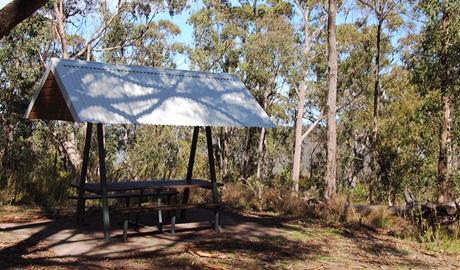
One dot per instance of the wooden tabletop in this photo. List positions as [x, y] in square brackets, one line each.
[150, 184]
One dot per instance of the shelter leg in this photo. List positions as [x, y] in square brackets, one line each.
[191, 162]
[215, 194]
[105, 201]
[81, 203]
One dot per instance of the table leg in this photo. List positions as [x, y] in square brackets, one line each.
[141, 193]
[160, 214]
[184, 201]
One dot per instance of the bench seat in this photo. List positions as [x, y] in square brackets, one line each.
[169, 194]
[127, 196]
[172, 208]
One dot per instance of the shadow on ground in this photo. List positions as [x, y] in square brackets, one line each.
[249, 242]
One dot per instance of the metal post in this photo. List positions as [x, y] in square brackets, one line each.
[191, 161]
[84, 172]
[105, 201]
[215, 195]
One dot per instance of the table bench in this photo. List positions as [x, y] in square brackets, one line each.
[127, 196]
[143, 186]
[172, 210]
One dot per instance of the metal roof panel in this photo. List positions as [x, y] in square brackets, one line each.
[110, 93]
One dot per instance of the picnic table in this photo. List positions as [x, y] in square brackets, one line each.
[161, 188]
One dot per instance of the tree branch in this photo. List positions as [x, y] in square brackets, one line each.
[312, 127]
[99, 31]
[16, 12]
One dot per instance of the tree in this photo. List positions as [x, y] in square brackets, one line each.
[383, 10]
[330, 180]
[21, 53]
[254, 41]
[268, 60]
[301, 82]
[436, 72]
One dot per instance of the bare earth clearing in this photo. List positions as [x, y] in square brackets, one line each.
[248, 241]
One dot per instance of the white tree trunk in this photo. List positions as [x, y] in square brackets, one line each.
[330, 187]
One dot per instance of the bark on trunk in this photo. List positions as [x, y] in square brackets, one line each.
[60, 27]
[373, 161]
[443, 154]
[68, 146]
[261, 152]
[300, 107]
[298, 140]
[17, 11]
[330, 180]
[443, 193]
[246, 155]
[224, 152]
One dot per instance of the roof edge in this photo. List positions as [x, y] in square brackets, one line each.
[54, 64]
[37, 91]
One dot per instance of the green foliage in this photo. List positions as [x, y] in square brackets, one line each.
[142, 41]
[435, 72]
[262, 44]
[21, 69]
[159, 152]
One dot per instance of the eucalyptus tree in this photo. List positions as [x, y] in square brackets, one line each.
[268, 57]
[216, 49]
[386, 18]
[253, 40]
[354, 87]
[330, 183]
[313, 17]
[21, 54]
[137, 37]
[436, 73]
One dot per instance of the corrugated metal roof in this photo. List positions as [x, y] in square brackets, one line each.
[84, 91]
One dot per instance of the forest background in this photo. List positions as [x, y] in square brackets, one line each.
[396, 106]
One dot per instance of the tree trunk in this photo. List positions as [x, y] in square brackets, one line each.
[224, 152]
[373, 161]
[17, 11]
[330, 180]
[65, 134]
[261, 152]
[443, 154]
[298, 139]
[443, 193]
[60, 27]
[68, 146]
[246, 154]
[300, 105]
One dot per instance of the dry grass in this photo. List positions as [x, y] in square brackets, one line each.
[310, 244]
[270, 199]
[340, 210]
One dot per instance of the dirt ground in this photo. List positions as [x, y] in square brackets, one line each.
[31, 238]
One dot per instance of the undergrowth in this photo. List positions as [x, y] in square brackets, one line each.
[341, 211]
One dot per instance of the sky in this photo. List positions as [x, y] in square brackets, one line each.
[4, 2]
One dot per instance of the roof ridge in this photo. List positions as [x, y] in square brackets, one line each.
[155, 73]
